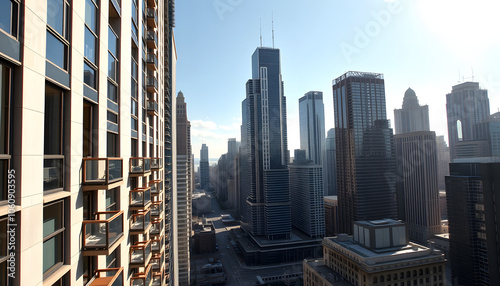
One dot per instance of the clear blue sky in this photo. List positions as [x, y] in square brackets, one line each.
[422, 44]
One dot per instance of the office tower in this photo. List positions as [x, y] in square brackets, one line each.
[443, 153]
[331, 215]
[232, 148]
[365, 150]
[379, 253]
[411, 117]
[466, 106]
[312, 126]
[82, 98]
[184, 191]
[306, 191]
[330, 164]
[417, 182]
[225, 186]
[472, 194]
[265, 149]
[204, 168]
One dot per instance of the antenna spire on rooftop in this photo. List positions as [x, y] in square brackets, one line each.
[272, 24]
[260, 32]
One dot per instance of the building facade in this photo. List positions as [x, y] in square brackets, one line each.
[312, 126]
[411, 117]
[466, 106]
[364, 143]
[472, 196]
[184, 191]
[331, 215]
[204, 168]
[330, 164]
[84, 107]
[265, 149]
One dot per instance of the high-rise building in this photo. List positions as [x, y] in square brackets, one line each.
[312, 126]
[411, 117]
[417, 182]
[331, 215]
[306, 191]
[232, 148]
[330, 164]
[83, 104]
[265, 150]
[466, 106]
[443, 153]
[184, 191]
[472, 194]
[365, 150]
[379, 253]
[204, 168]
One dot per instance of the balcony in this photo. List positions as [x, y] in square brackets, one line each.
[152, 18]
[157, 208]
[108, 277]
[152, 62]
[140, 254]
[152, 84]
[156, 227]
[140, 223]
[156, 163]
[157, 278]
[152, 39]
[140, 198]
[140, 166]
[153, 107]
[158, 244]
[142, 278]
[157, 262]
[103, 234]
[152, 3]
[155, 187]
[102, 173]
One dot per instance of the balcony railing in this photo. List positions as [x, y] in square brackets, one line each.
[140, 222]
[156, 208]
[152, 39]
[157, 244]
[102, 173]
[142, 278]
[155, 187]
[156, 227]
[157, 261]
[156, 163]
[103, 234]
[140, 166]
[140, 254]
[152, 18]
[153, 107]
[140, 198]
[152, 84]
[152, 61]
[157, 278]
[108, 277]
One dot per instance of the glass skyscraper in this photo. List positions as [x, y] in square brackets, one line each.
[365, 150]
[312, 126]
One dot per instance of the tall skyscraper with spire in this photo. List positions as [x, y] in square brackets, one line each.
[417, 170]
[365, 150]
[264, 149]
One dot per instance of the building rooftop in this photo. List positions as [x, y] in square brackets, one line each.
[327, 273]
[358, 74]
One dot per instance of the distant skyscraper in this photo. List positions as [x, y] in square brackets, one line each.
[232, 148]
[417, 182]
[412, 117]
[443, 153]
[473, 195]
[466, 106]
[264, 149]
[330, 164]
[306, 191]
[204, 168]
[312, 126]
[184, 191]
[365, 150]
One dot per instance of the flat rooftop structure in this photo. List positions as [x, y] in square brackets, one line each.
[327, 273]
[358, 74]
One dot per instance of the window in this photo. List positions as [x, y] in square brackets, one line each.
[58, 33]
[53, 236]
[111, 204]
[9, 14]
[5, 97]
[112, 92]
[53, 140]
[91, 43]
[89, 263]
[3, 251]
[113, 44]
[112, 145]
[89, 129]
[112, 260]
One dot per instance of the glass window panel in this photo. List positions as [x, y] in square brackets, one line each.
[53, 124]
[52, 252]
[55, 15]
[52, 218]
[112, 67]
[4, 108]
[56, 51]
[6, 15]
[3, 238]
[89, 75]
[112, 42]
[3, 179]
[90, 46]
[134, 124]
[90, 15]
[112, 92]
[134, 12]
[112, 117]
[52, 174]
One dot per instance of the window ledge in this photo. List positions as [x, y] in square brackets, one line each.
[50, 196]
[56, 275]
[4, 208]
